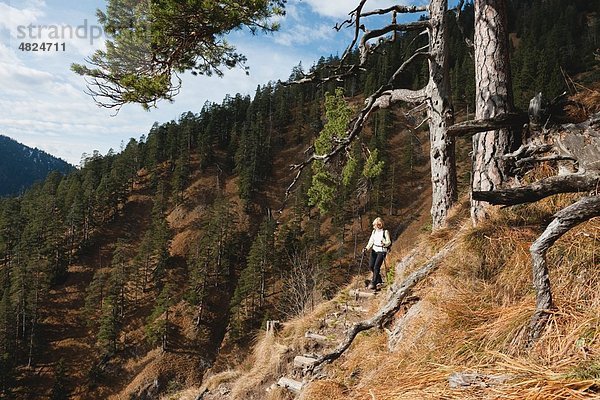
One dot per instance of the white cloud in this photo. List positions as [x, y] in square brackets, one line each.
[303, 34]
[45, 102]
[11, 18]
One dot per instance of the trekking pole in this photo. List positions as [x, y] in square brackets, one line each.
[360, 264]
[384, 276]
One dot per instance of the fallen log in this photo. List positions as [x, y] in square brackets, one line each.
[573, 183]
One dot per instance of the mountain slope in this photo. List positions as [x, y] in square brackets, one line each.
[21, 166]
[461, 335]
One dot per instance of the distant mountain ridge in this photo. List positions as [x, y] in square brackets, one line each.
[21, 166]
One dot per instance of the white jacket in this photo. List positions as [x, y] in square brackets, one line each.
[379, 240]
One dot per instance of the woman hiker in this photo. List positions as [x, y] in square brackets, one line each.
[379, 242]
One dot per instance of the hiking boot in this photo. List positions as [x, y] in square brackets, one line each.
[371, 286]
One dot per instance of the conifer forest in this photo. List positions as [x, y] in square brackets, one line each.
[220, 254]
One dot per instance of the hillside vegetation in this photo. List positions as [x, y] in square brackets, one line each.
[134, 275]
[470, 318]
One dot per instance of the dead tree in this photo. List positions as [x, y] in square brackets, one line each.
[579, 146]
[435, 95]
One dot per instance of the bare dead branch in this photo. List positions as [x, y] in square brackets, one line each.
[538, 190]
[390, 97]
[501, 121]
[527, 160]
[397, 8]
[339, 75]
[421, 124]
[354, 19]
[365, 48]
[565, 220]
[528, 150]
[380, 99]
[300, 168]
[408, 62]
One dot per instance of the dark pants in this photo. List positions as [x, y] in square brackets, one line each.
[375, 265]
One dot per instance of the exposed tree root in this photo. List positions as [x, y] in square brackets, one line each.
[565, 220]
[398, 293]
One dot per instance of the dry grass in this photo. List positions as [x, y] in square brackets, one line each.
[216, 380]
[262, 369]
[474, 315]
[484, 289]
[588, 99]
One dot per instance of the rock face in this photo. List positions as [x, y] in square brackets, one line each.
[412, 328]
[459, 380]
[149, 391]
[581, 142]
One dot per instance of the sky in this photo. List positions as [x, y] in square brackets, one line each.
[43, 103]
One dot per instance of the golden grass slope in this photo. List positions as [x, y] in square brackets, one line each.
[477, 308]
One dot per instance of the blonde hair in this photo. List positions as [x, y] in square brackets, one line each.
[378, 220]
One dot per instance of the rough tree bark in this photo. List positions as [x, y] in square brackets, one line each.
[493, 97]
[442, 150]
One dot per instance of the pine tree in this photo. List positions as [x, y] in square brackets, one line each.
[157, 327]
[146, 63]
[324, 182]
[110, 325]
[7, 349]
[60, 390]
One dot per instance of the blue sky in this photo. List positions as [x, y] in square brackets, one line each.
[43, 103]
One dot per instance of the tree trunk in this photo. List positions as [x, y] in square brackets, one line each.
[493, 96]
[442, 153]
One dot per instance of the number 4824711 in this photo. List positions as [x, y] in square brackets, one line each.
[44, 46]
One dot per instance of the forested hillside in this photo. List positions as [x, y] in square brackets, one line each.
[136, 273]
[21, 166]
